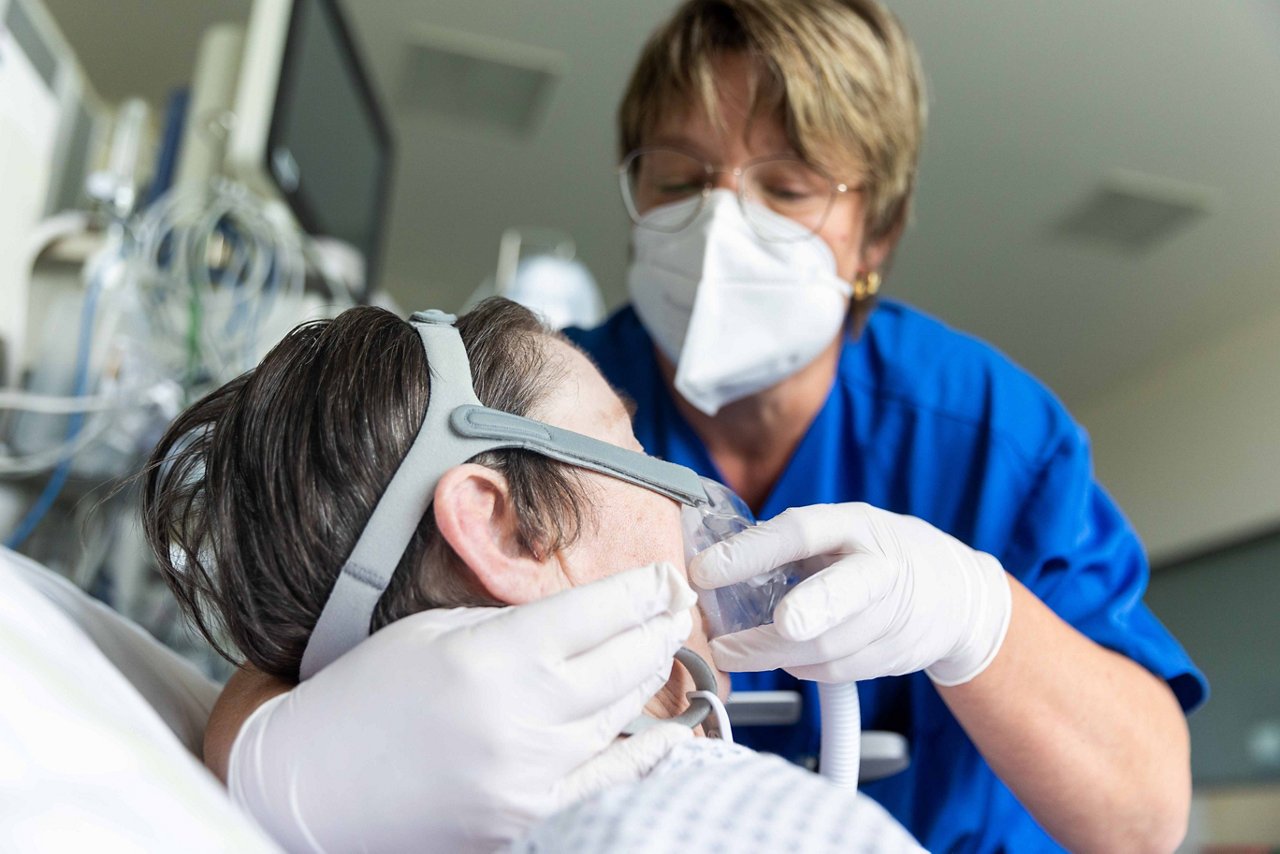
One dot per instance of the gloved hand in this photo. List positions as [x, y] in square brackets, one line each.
[457, 730]
[893, 595]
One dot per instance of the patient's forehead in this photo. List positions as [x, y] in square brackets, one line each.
[582, 400]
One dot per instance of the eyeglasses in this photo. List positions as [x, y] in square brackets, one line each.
[653, 177]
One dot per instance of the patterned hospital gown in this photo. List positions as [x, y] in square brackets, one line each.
[709, 796]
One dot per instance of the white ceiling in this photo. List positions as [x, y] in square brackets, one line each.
[1034, 105]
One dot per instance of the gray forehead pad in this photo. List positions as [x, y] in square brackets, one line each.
[456, 428]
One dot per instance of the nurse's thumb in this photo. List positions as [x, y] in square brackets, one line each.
[834, 596]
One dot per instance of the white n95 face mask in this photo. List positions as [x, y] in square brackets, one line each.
[736, 313]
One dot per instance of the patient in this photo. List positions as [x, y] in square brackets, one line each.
[258, 492]
[256, 496]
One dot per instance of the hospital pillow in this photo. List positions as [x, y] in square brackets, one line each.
[85, 760]
[180, 694]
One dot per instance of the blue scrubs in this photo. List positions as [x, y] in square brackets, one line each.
[929, 422]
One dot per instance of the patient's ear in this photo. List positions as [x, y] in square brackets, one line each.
[475, 515]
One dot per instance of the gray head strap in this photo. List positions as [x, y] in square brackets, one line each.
[456, 428]
[514, 431]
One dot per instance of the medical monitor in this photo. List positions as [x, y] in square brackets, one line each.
[308, 127]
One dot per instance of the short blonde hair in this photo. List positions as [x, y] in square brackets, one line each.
[843, 74]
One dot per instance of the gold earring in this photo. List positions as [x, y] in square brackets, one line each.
[866, 286]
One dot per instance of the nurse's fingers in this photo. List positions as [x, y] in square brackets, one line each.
[764, 647]
[834, 596]
[761, 648]
[795, 534]
[618, 677]
[871, 662]
[624, 761]
[578, 620]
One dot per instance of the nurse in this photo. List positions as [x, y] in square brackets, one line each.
[768, 157]
[970, 572]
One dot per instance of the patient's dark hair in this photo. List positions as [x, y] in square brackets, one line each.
[256, 495]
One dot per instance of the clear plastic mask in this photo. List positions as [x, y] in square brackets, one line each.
[739, 606]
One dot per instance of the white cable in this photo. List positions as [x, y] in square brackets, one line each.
[724, 728]
[46, 404]
[52, 229]
[47, 458]
[168, 261]
[99, 420]
[228, 296]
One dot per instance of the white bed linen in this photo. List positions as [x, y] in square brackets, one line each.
[85, 762]
[708, 796]
[179, 693]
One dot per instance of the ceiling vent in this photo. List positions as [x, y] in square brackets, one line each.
[1134, 212]
[478, 81]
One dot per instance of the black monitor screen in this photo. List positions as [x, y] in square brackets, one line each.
[329, 149]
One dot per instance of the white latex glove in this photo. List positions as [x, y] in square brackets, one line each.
[458, 730]
[895, 595]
